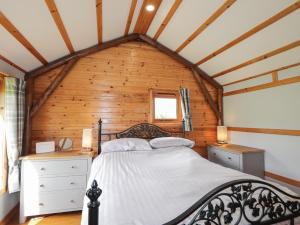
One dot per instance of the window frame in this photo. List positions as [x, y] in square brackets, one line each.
[163, 93]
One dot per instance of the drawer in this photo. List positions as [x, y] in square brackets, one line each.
[57, 167]
[224, 158]
[230, 160]
[55, 201]
[61, 183]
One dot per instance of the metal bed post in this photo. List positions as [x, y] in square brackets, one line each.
[99, 135]
[93, 194]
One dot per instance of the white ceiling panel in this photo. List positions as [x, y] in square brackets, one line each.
[42, 33]
[16, 52]
[135, 15]
[161, 13]
[277, 35]
[115, 14]
[79, 18]
[283, 59]
[238, 19]
[8, 69]
[288, 73]
[189, 16]
[249, 83]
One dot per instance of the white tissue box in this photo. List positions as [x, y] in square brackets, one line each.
[43, 147]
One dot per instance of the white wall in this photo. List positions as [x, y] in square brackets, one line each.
[275, 108]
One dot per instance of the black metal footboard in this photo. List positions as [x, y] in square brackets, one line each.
[236, 202]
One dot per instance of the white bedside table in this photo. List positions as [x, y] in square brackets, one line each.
[242, 158]
[53, 182]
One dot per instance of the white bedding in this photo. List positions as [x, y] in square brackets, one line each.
[153, 187]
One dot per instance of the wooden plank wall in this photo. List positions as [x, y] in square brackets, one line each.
[114, 84]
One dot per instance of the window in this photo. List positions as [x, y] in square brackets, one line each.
[164, 106]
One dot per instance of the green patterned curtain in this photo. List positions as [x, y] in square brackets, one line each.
[14, 123]
[186, 111]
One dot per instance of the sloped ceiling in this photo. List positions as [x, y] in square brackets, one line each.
[230, 40]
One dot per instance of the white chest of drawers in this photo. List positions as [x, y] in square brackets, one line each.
[242, 158]
[53, 183]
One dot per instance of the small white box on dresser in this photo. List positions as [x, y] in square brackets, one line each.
[53, 182]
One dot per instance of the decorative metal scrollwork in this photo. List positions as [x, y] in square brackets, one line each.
[145, 131]
[93, 194]
[248, 202]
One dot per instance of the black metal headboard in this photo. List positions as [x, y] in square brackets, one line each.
[142, 130]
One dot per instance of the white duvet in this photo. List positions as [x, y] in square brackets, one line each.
[153, 187]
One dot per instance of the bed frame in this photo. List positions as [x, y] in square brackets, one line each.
[240, 201]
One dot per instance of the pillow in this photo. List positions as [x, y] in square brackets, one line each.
[125, 144]
[165, 142]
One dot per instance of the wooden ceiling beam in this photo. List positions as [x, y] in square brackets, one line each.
[59, 23]
[264, 86]
[17, 35]
[115, 42]
[58, 62]
[145, 18]
[207, 95]
[12, 64]
[55, 83]
[167, 19]
[99, 20]
[180, 59]
[263, 74]
[259, 58]
[130, 16]
[253, 31]
[208, 22]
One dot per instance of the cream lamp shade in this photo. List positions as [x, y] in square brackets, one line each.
[222, 134]
[87, 138]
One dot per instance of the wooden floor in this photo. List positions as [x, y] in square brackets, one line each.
[58, 219]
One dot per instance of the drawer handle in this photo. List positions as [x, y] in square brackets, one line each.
[215, 153]
[73, 167]
[229, 158]
[72, 201]
[72, 183]
[42, 169]
[41, 204]
[42, 185]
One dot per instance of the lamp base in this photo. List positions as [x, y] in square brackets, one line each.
[86, 149]
[222, 143]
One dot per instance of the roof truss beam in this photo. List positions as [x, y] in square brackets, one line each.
[130, 16]
[263, 74]
[145, 18]
[55, 83]
[17, 35]
[12, 64]
[59, 23]
[115, 42]
[167, 19]
[208, 22]
[259, 58]
[99, 20]
[207, 95]
[253, 31]
[180, 59]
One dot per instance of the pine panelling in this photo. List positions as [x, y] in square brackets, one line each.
[114, 85]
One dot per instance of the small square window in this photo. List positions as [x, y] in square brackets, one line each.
[164, 106]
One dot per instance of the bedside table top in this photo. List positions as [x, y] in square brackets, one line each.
[55, 155]
[237, 148]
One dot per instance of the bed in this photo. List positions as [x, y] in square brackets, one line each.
[175, 185]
